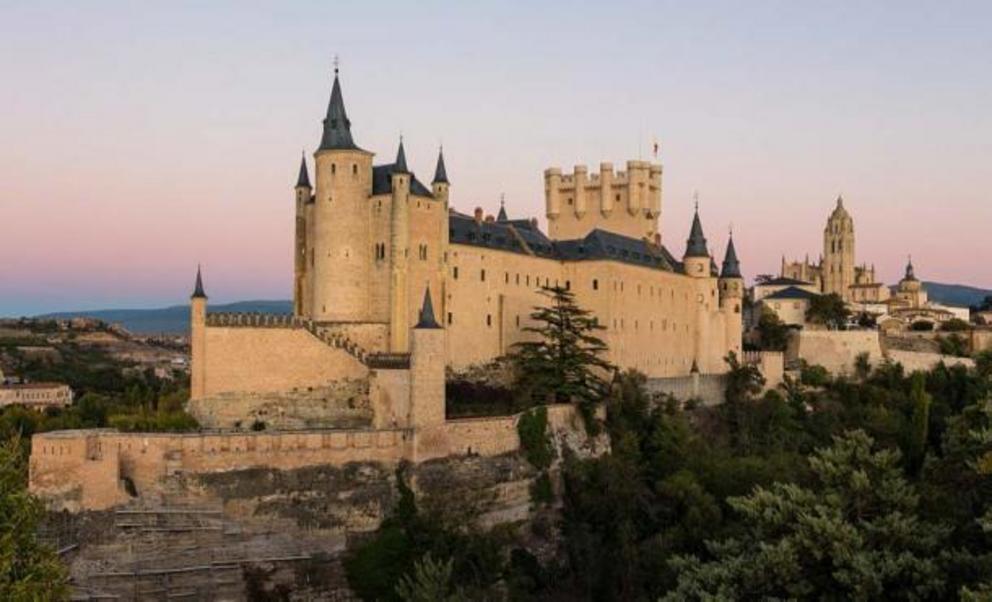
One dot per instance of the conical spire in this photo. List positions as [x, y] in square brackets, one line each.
[910, 273]
[696, 245]
[337, 127]
[400, 165]
[440, 173]
[731, 266]
[198, 287]
[427, 319]
[501, 217]
[303, 181]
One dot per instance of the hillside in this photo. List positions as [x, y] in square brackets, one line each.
[959, 295]
[174, 319]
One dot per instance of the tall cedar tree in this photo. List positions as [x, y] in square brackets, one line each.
[564, 363]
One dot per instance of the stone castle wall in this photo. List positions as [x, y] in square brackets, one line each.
[835, 350]
[93, 469]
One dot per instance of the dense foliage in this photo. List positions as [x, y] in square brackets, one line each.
[828, 310]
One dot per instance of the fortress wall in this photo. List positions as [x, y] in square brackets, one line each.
[709, 390]
[369, 336]
[916, 360]
[496, 435]
[272, 359]
[651, 317]
[67, 471]
[835, 350]
[981, 340]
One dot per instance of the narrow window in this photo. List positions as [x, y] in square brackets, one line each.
[354, 169]
[568, 285]
[454, 272]
[507, 279]
[449, 317]
[334, 168]
[482, 275]
[595, 285]
[489, 320]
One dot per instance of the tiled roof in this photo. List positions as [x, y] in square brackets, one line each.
[382, 181]
[792, 293]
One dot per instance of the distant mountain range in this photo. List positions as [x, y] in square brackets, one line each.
[170, 320]
[175, 319]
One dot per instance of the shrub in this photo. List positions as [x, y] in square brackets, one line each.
[541, 491]
[533, 431]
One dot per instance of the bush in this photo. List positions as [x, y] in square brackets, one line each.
[921, 326]
[541, 491]
[533, 431]
[814, 375]
[955, 325]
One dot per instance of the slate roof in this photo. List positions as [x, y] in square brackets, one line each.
[696, 245]
[304, 178]
[382, 181]
[427, 319]
[513, 235]
[731, 266]
[337, 126]
[440, 173]
[792, 292]
[198, 287]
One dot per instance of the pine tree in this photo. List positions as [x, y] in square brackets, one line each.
[855, 534]
[564, 363]
[430, 582]
[921, 401]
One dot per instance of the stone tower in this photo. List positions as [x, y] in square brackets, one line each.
[697, 258]
[303, 197]
[440, 186]
[399, 252]
[428, 358]
[838, 252]
[198, 339]
[340, 248]
[731, 296]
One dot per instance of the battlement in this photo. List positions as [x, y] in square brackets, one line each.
[626, 202]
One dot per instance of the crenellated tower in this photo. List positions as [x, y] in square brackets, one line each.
[340, 249]
[626, 202]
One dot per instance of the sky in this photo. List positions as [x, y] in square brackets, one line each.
[140, 139]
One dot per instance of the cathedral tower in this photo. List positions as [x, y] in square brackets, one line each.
[838, 252]
[339, 239]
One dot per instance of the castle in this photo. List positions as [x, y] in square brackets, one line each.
[371, 239]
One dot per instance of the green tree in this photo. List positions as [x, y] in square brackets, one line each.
[773, 334]
[564, 363]
[855, 534]
[430, 582]
[920, 428]
[828, 310]
[743, 383]
[29, 570]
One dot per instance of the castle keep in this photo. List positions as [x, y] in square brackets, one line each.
[372, 238]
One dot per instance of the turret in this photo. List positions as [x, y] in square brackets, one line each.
[581, 179]
[427, 362]
[552, 193]
[303, 194]
[339, 242]
[439, 186]
[198, 338]
[731, 285]
[399, 243]
[696, 260]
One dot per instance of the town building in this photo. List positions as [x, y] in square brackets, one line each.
[36, 395]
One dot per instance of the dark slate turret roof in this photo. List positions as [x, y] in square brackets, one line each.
[910, 272]
[337, 126]
[440, 173]
[303, 181]
[696, 245]
[198, 287]
[400, 165]
[501, 216]
[427, 319]
[731, 266]
[382, 181]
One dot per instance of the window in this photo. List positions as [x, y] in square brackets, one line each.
[518, 320]
[454, 272]
[334, 168]
[507, 278]
[449, 317]
[518, 278]
[568, 285]
[489, 319]
[354, 169]
[595, 285]
[482, 275]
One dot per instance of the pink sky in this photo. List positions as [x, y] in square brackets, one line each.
[136, 142]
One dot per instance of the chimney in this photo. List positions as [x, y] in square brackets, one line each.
[490, 219]
[478, 215]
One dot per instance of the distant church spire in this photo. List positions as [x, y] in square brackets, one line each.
[401, 159]
[337, 127]
[303, 181]
[440, 173]
[502, 217]
[910, 272]
[198, 287]
[696, 245]
[427, 319]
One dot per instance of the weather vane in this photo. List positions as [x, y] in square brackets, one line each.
[337, 63]
[695, 198]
